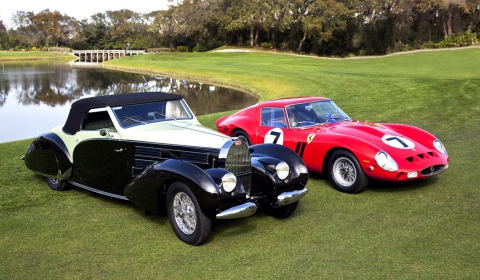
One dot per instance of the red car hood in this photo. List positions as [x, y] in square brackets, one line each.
[389, 140]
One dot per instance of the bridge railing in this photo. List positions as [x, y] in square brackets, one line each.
[103, 55]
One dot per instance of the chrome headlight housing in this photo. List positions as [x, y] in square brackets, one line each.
[283, 170]
[439, 146]
[385, 161]
[229, 182]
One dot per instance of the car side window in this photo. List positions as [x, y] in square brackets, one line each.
[97, 119]
[274, 117]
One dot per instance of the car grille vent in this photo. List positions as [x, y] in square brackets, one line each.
[238, 162]
[146, 155]
[420, 156]
[432, 170]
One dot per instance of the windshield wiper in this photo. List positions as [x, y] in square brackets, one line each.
[134, 120]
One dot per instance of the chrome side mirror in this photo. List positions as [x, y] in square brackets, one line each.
[104, 132]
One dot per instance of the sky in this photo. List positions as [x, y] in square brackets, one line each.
[77, 9]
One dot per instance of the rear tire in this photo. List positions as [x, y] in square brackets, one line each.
[346, 173]
[242, 136]
[185, 215]
[57, 185]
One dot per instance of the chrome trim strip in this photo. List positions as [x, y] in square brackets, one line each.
[291, 197]
[99, 191]
[239, 211]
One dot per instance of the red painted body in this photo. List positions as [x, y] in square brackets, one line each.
[315, 143]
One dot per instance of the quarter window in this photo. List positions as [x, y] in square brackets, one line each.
[274, 117]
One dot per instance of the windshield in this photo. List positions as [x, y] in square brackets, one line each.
[313, 113]
[152, 112]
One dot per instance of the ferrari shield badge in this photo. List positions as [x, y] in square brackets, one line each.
[310, 138]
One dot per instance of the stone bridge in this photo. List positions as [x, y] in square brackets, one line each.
[102, 55]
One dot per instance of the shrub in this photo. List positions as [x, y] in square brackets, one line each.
[199, 48]
[182, 49]
[266, 45]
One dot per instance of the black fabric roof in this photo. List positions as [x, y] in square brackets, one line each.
[81, 106]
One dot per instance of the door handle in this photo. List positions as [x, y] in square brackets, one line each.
[119, 150]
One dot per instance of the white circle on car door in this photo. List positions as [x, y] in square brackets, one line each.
[274, 136]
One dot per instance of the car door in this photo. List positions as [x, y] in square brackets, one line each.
[100, 158]
[273, 127]
[101, 164]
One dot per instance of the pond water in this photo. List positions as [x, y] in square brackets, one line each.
[36, 96]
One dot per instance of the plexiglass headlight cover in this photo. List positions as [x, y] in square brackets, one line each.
[283, 170]
[229, 182]
[439, 146]
[385, 161]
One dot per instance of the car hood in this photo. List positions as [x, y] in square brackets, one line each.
[178, 133]
[383, 137]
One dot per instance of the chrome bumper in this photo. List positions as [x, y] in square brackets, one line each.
[240, 211]
[290, 197]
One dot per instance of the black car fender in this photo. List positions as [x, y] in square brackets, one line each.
[145, 189]
[48, 155]
[280, 153]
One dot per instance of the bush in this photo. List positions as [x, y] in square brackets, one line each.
[182, 49]
[199, 48]
[158, 50]
[455, 40]
[266, 45]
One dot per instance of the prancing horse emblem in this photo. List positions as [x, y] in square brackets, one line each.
[310, 138]
[432, 169]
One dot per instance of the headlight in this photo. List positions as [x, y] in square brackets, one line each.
[282, 170]
[385, 161]
[439, 146]
[229, 182]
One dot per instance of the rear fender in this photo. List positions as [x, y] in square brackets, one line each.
[48, 156]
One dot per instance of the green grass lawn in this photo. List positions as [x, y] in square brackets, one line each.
[6, 56]
[426, 229]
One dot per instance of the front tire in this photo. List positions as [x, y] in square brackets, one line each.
[346, 173]
[242, 136]
[270, 208]
[185, 215]
[57, 185]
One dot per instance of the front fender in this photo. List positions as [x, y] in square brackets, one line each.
[264, 158]
[281, 153]
[145, 189]
[49, 156]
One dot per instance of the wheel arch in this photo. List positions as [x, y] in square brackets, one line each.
[148, 189]
[48, 155]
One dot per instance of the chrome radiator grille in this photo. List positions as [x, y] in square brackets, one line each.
[238, 162]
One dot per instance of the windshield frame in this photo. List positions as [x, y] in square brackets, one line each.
[296, 114]
[133, 115]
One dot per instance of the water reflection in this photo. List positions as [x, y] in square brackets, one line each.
[34, 97]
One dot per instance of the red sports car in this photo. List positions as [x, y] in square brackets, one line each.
[329, 141]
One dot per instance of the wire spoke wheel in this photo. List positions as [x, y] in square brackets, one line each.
[344, 172]
[185, 214]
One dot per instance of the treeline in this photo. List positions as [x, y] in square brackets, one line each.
[323, 27]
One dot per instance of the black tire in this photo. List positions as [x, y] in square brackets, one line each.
[346, 173]
[270, 208]
[185, 215]
[243, 137]
[57, 185]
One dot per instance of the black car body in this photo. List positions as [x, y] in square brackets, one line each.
[150, 149]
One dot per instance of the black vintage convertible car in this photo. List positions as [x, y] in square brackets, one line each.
[150, 149]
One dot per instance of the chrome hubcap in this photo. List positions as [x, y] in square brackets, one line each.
[184, 213]
[344, 172]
